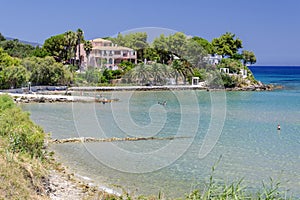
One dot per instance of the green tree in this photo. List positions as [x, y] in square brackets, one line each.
[248, 57]
[45, 71]
[208, 47]
[180, 46]
[2, 38]
[6, 60]
[12, 73]
[194, 54]
[151, 54]
[177, 44]
[172, 45]
[16, 49]
[55, 46]
[161, 45]
[226, 45]
[136, 41]
[14, 76]
[119, 40]
[40, 52]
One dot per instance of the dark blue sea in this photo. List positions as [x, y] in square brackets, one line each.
[287, 76]
[237, 128]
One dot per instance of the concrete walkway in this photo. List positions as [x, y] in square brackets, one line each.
[140, 88]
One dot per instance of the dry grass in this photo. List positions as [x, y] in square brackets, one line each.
[20, 176]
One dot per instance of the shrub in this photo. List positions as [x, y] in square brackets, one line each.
[15, 125]
[6, 102]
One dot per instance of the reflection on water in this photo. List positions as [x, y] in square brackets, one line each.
[250, 145]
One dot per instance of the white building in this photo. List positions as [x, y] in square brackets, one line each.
[213, 59]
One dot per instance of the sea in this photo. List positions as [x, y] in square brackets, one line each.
[198, 134]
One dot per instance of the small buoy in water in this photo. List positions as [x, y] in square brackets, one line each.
[278, 127]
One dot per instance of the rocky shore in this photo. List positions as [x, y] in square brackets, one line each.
[61, 184]
[255, 87]
[49, 98]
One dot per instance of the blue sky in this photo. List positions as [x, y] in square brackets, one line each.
[269, 28]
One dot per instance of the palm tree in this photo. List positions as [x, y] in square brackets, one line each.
[177, 70]
[140, 73]
[87, 46]
[181, 69]
[187, 70]
[70, 39]
[155, 70]
[80, 38]
[159, 73]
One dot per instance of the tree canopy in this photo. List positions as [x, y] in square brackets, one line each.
[180, 46]
[227, 44]
[15, 48]
[55, 46]
[12, 73]
[207, 46]
[63, 47]
[248, 57]
[45, 71]
[136, 41]
[2, 38]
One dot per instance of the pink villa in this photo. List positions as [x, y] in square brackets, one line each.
[106, 54]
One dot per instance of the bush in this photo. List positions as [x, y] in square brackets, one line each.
[6, 102]
[228, 81]
[15, 125]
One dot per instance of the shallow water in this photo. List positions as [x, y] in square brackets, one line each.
[249, 144]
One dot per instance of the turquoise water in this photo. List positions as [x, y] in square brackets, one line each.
[249, 144]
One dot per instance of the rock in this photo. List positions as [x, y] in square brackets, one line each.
[42, 100]
[18, 100]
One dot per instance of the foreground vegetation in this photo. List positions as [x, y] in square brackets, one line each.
[24, 160]
[25, 166]
[21, 154]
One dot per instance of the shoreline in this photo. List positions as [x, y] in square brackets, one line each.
[64, 183]
[65, 96]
